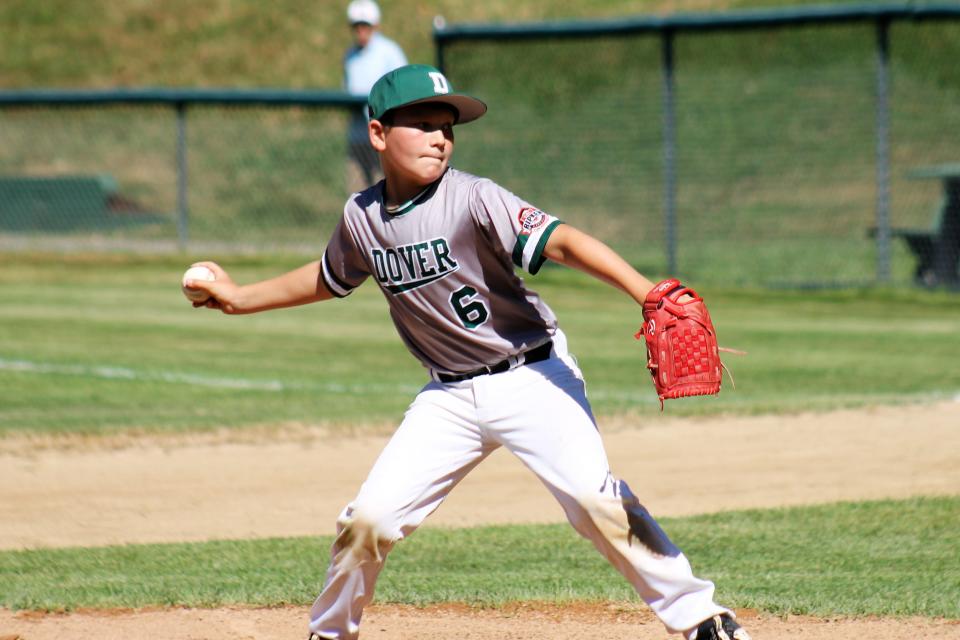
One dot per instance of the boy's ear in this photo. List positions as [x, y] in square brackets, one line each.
[378, 135]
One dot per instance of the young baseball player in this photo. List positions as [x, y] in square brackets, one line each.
[443, 245]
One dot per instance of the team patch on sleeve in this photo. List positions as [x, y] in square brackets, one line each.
[535, 228]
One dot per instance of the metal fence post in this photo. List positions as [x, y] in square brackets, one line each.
[182, 212]
[883, 151]
[439, 24]
[669, 153]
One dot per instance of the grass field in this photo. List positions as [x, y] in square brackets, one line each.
[181, 43]
[875, 558]
[775, 129]
[101, 344]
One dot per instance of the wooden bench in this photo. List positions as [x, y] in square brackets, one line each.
[66, 203]
[936, 249]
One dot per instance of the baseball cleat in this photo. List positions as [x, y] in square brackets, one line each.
[721, 627]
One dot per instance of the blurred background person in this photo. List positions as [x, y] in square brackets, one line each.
[371, 56]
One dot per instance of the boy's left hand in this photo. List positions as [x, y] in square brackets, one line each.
[682, 352]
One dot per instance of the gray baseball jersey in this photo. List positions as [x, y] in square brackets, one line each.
[445, 263]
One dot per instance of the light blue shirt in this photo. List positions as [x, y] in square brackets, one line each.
[363, 67]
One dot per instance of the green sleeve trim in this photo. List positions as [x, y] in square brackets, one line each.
[518, 250]
[537, 260]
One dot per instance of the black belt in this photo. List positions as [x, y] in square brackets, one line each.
[537, 354]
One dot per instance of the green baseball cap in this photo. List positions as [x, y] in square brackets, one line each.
[417, 83]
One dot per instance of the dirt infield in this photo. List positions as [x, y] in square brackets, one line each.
[111, 491]
[526, 622]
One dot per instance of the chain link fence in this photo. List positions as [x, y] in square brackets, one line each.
[804, 148]
[168, 171]
[792, 148]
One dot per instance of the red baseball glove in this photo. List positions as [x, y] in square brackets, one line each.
[682, 352]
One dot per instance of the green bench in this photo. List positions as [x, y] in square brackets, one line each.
[66, 203]
[937, 249]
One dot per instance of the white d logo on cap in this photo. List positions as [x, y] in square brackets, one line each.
[439, 82]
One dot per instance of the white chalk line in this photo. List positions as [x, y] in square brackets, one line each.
[125, 373]
[105, 372]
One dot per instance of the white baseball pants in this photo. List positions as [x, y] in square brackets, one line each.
[540, 413]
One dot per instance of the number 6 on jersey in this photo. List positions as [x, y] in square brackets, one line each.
[469, 307]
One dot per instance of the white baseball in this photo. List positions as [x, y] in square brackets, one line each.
[196, 273]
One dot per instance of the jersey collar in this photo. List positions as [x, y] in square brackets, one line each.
[409, 205]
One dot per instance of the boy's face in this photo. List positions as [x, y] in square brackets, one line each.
[416, 147]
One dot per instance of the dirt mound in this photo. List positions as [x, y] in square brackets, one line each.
[531, 621]
[107, 491]
[110, 491]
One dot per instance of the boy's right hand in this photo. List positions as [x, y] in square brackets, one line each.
[223, 290]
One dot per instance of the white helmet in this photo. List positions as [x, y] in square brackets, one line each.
[365, 11]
